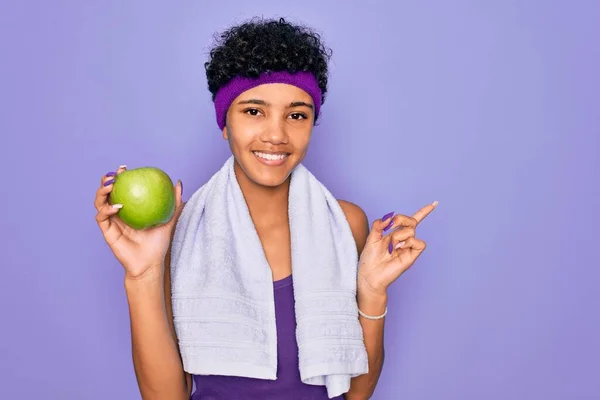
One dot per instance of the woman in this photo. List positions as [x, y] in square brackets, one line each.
[268, 126]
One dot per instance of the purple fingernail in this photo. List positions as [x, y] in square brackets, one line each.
[109, 182]
[111, 174]
[181, 183]
[386, 216]
[388, 226]
[390, 248]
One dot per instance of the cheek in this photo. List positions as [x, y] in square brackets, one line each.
[239, 142]
[242, 134]
[301, 137]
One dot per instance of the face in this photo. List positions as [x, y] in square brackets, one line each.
[269, 129]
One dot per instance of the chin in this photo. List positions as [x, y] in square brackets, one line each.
[271, 181]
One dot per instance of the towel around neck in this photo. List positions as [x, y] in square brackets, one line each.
[222, 285]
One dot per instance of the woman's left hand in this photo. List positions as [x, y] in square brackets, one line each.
[385, 258]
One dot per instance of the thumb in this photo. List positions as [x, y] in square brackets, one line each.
[178, 201]
[380, 226]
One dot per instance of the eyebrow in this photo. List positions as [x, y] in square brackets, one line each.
[301, 104]
[264, 103]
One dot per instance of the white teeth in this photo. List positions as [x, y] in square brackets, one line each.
[271, 157]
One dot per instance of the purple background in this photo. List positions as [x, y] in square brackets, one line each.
[491, 109]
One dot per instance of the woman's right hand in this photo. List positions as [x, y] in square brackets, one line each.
[137, 250]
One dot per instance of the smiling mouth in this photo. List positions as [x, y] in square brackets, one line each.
[271, 158]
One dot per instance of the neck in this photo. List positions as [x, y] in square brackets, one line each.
[266, 204]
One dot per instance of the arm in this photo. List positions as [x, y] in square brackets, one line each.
[156, 359]
[362, 387]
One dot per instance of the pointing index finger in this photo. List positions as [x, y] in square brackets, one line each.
[425, 211]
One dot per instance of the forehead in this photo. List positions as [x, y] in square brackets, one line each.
[276, 93]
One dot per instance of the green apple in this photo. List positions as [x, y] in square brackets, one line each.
[147, 195]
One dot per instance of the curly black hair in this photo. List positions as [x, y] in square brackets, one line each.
[259, 46]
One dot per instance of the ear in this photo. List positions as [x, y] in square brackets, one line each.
[225, 134]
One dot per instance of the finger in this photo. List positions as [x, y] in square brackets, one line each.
[425, 211]
[401, 221]
[416, 246]
[399, 238]
[378, 226]
[407, 252]
[106, 182]
[107, 226]
[178, 201]
[112, 174]
[401, 235]
[105, 212]
[104, 189]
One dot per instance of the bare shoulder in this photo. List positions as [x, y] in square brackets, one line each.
[359, 223]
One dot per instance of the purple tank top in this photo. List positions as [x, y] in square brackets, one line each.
[288, 384]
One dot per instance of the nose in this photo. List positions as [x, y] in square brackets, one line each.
[275, 132]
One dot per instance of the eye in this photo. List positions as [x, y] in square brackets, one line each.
[298, 116]
[252, 111]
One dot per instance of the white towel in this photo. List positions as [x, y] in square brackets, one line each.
[222, 286]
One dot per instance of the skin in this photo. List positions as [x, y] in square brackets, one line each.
[273, 118]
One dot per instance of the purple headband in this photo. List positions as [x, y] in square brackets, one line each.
[225, 96]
